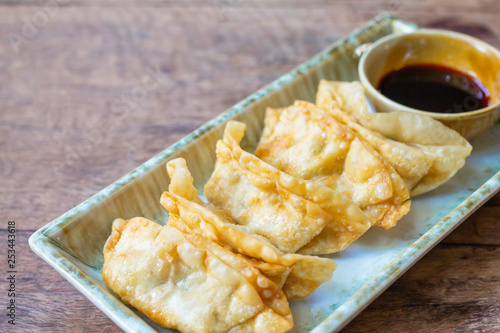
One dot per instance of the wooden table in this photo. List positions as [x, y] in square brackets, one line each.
[63, 65]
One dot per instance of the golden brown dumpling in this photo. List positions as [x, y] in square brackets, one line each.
[299, 275]
[295, 215]
[423, 151]
[190, 283]
[305, 141]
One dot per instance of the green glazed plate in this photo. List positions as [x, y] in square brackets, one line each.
[73, 243]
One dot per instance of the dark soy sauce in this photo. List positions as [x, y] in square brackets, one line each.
[434, 88]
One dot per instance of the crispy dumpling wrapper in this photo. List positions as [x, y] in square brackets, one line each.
[188, 282]
[299, 275]
[293, 214]
[423, 151]
[305, 141]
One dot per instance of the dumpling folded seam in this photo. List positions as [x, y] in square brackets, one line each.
[299, 274]
[309, 143]
[190, 283]
[295, 215]
[423, 151]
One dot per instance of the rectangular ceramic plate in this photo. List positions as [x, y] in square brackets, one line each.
[73, 243]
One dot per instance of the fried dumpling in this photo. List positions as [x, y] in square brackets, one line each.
[190, 283]
[299, 275]
[293, 214]
[423, 151]
[305, 141]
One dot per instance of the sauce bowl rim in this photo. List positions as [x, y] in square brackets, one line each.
[425, 32]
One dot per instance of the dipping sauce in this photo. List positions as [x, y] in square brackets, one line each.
[434, 88]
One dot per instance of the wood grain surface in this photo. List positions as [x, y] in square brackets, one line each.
[65, 66]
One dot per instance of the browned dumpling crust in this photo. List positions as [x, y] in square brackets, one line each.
[423, 151]
[299, 275]
[293, 214]
[188, 282]
[305, 141]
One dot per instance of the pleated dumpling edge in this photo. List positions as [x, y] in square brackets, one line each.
[295, 215]
[423, 151]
